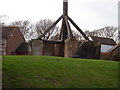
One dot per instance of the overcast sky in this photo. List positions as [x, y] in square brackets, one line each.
[88, 14]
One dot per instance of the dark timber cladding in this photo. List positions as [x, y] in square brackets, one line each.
[66, 31]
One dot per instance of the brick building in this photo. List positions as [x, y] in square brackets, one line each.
[12, 38]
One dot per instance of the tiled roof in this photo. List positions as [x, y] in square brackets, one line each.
[102, 40]
[7, 30]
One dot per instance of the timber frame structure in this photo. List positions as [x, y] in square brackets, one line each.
[67, 45]
[65, 28]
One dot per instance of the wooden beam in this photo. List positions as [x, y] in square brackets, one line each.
[61, 33]
[66, 22]
[65, 7]
[50, 27]
[52, 41]
[68, 26]
[75, 25]
[64, 32]
[70, 30]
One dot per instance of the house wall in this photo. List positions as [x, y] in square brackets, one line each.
[13, 41]
[37, 47]
[3, 47]
[105, 56]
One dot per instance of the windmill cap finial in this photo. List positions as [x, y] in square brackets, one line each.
[65, 0]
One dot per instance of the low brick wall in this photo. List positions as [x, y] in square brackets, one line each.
[105, 56]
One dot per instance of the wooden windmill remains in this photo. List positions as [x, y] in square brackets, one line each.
[65, 28]
[67, 45]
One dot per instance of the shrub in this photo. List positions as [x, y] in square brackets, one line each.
[116, 56]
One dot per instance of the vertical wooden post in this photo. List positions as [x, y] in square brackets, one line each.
[64, 30]
[65, 7]
[64, 27]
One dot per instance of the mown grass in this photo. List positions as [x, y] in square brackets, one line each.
[58, 72]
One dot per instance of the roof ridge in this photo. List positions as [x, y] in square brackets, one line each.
[103, 40]
[101, 37]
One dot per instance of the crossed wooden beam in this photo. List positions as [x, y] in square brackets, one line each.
[65, 28]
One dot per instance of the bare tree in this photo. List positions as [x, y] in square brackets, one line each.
[55, 37]
[77, 35]
[91, 33]
[107, 32]
[26, 28]
[2, 19]
[42, 25]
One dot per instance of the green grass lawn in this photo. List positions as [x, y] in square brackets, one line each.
[58, 72]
